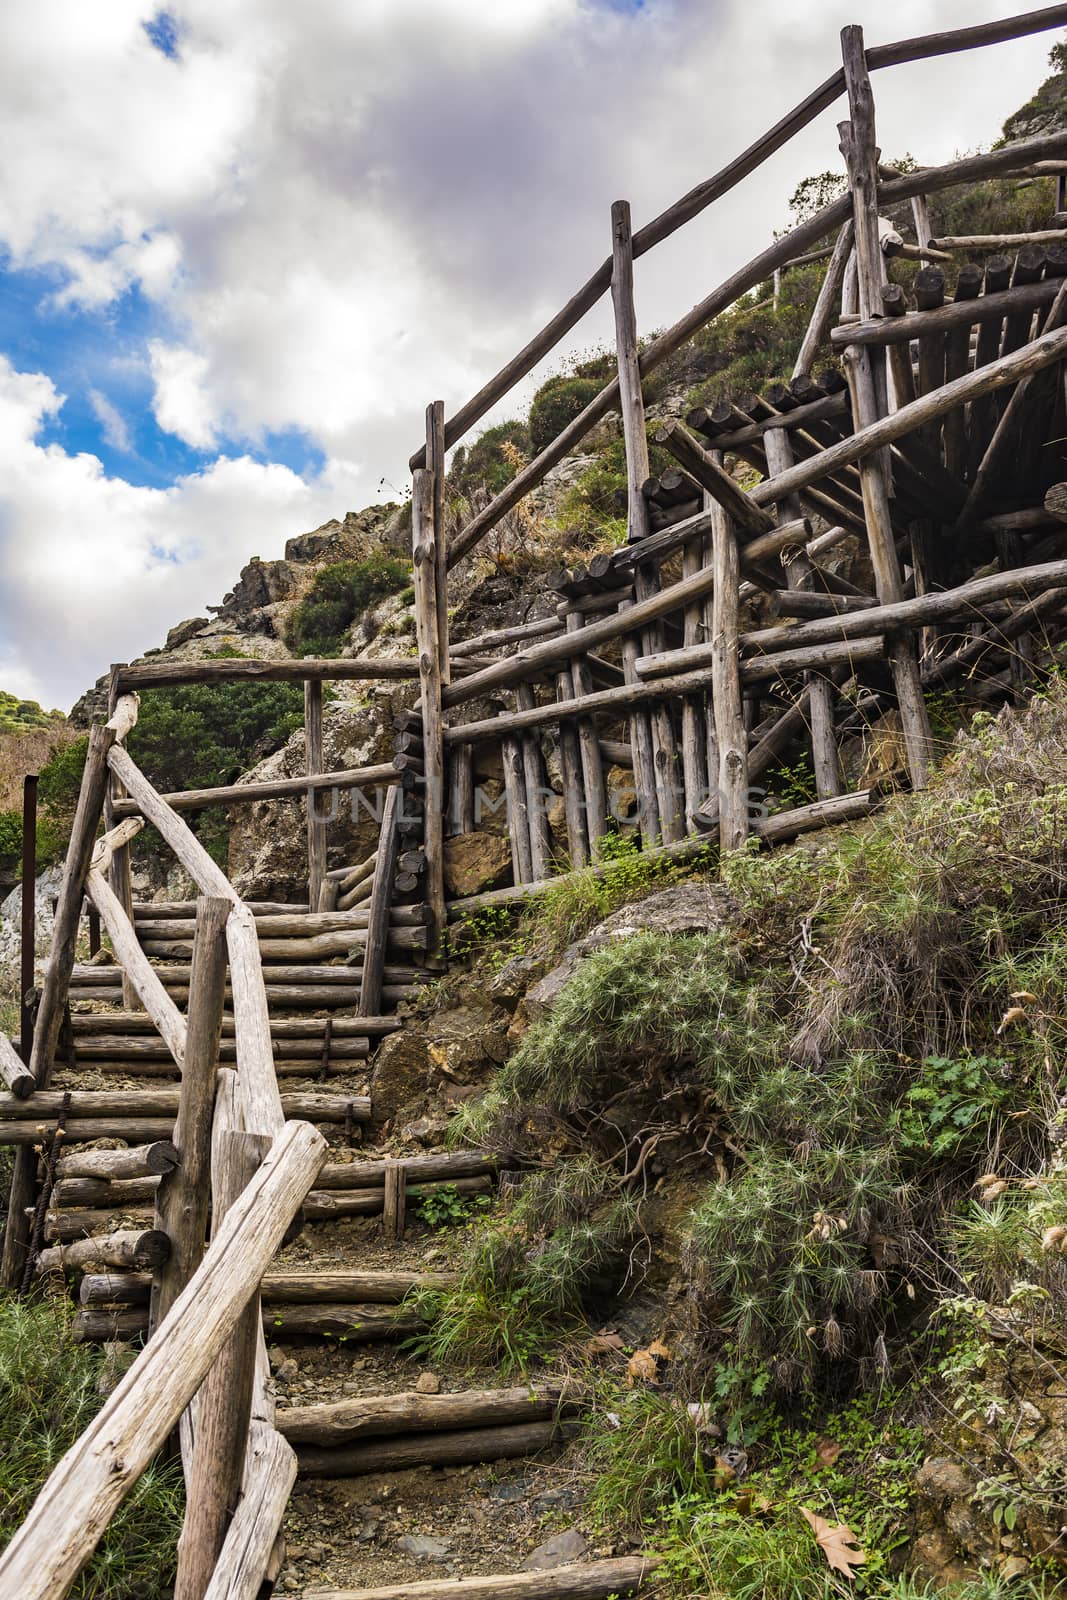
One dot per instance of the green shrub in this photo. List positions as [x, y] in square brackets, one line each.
[339, 593]
[48, 1396]
[558, 401]
[485, 464]
[524, 1272]
[18, 716]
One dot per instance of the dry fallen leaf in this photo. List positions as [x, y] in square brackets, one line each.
[604, 1343]
[837, 1543]
[1024, 995]
[642, 1368]
[658, 1349]
[827, 1451]
[1013, 1014]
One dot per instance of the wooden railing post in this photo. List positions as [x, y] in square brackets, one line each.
[866, 374]
[119, 871]
[28, 921]
[313, 766]
[224, 1412]
[424, 559]
[184, 1194]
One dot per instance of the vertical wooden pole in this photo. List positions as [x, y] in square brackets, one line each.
[518, 811]
[665, 777]
[596, 809]
[641, 744]
[224, 1412]
[28, 923]
[427, 620]
[461, 789]
[313, 764]
[570, 768]
[863, 369]
[435, 461]
[726, 681]
[694, 731]
[536, 790]
[184, 1193]
[56, 985]
[119, 872]
[395, 1202]
[370, 989]
[799, 570]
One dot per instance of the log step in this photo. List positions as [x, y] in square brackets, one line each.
[399, 1454]
[596, 1580]
[340, 1422]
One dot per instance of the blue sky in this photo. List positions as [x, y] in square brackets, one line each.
[242, 246]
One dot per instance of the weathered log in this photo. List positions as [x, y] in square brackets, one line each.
[142, 1161]
[522, 631]
[242, 669]
[143, 1052]
[278, 1288]
[140, 1249]
[943, 318]
[817, 603]
[233, 794]
[784, 825]
[710, 475]
[245, 1563]
[378, 1416]
[998, 241]
[83, 1129]
[596, 1580]
[118, 1105]
[814, 658]
[13, 1070]
[822, 312]
[399, 1453]
[94, 1476]
[88, 1026]
[313, 766]
[304, 925]
[316, 946]
[348, 1321]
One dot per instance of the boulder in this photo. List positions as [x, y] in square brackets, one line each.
[556, 1552]
[476, 861]
[401, 1075]
[185, 631]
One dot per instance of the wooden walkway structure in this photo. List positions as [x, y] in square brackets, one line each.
[936, 452]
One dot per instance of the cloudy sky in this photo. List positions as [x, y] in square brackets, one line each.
[242, 245]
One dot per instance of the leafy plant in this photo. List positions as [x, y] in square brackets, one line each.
[946, 1107]
[445, 1207]
[339, 593]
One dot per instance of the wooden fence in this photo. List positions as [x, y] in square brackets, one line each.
[934, 458]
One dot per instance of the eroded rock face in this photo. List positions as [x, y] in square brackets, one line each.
[425, 1065]
[185, 631]
[476, 861]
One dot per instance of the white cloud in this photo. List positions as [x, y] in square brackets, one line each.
[96, 569]
[112, 422]
[340, 212]
[181, 403]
